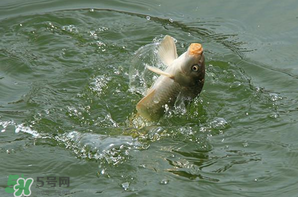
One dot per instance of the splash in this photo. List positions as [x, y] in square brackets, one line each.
[26, 129]
[19, 128]
[113, 150]
[140, 79]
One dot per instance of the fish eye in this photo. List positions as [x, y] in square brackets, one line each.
[195, 67]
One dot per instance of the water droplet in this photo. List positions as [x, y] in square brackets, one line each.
[260, 89]
[99, 43]
[156, 101]
[21, 25]
[102, 171]
[274, 115]
[235, 84]
[101, 29]
[164, 182]
[203, 129]
[167, 108]
[125, 186]
[91, 10]
[274, 97]
[51, 25]
[93, 34]
[171, 20]
[148, 18]
[142, 166]
[69, 28]
[245, 144]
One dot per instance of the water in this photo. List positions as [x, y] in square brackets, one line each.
[67, 103]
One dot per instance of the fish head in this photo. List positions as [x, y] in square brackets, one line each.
[191, 73]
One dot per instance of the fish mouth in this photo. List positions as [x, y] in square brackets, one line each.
[195, 49]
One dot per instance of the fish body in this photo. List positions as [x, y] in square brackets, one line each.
[184, 76]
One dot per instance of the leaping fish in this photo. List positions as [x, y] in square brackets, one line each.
[184, 75]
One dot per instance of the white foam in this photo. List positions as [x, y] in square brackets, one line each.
[26, 129]
[18, 128]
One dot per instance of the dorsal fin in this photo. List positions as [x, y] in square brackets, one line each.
[167, 50]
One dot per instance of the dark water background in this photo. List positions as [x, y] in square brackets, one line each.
[66, 100]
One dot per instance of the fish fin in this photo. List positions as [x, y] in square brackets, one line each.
[160, 72]
[145, 100]
[142, 104]
[167, 50]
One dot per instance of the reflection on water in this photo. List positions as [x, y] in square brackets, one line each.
[70, 81]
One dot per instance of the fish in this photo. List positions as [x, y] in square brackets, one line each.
[183, 77]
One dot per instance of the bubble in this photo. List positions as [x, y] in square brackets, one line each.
[148, 18]
[68, 28]
[275, 97]
[219, 123]
[171, 20]
[102, 29]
